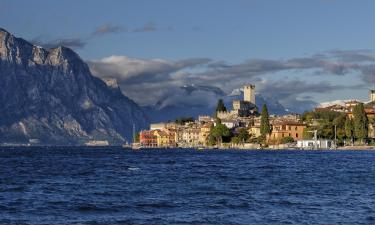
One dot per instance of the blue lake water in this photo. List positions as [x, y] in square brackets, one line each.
[115, 186]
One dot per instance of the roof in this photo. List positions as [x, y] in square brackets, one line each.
[293, 123]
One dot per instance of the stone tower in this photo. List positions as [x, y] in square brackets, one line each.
[249, 93]
[372, 95]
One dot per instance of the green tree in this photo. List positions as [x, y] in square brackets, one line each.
[349, 129]
[219, 131]
[137, 137]
[241, 137]
[265, 127]
[235, 140]
[220, 106]
[360, 122]
[286, 140]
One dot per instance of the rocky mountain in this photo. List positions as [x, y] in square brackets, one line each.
[50, 95]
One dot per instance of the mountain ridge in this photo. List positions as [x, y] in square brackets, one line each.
[52, 96]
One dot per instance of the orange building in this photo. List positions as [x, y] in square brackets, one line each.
[286, 129]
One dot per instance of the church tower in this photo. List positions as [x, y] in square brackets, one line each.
[249, 93]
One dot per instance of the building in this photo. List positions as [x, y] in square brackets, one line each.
[158, 126]
[190, 136]
[204, 134]
[286, 129]
[230, 123]
[205, 119]
[315, 144]
[165, 138]
[352, 103]
[370, 113]
[372, 95]
[249, 93]
[147, 138]
[254, 131]
[242, 108]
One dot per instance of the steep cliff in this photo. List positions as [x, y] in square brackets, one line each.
[51, 95]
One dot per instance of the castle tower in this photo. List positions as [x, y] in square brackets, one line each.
[249, 93]
[372, 95]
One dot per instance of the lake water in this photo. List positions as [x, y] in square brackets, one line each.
[115, 186]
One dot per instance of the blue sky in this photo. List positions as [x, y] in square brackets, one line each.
[227, 31]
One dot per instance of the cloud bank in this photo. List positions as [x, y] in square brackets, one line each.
[200, 81]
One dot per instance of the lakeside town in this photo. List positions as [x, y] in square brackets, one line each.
[346, 125]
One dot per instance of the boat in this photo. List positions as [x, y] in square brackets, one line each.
[126, 145]
[136, 146]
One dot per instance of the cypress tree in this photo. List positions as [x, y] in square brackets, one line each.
[265, 127]
[349, 129]
[360, 122]
[220, 106]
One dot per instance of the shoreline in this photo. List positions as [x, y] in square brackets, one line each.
[274, 148]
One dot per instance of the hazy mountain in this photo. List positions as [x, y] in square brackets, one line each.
[51, 95]
[157, 113]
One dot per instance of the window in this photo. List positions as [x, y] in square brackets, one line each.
[296, 135]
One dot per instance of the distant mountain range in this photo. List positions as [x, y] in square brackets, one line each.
[50, 95]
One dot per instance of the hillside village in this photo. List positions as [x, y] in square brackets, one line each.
[241, 127]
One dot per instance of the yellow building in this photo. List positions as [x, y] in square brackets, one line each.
[204, 133]
[254, 131]
[165, 138]
[190, 136]
[286, 129]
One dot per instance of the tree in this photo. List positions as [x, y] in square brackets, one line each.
[220, 106]
[286, 140]
[349, 129]
[137, 137]
[219, 131]
[360, 122]
[241, 137]
[265, 127]
[235, 140]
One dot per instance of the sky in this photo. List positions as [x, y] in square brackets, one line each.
[192, 52]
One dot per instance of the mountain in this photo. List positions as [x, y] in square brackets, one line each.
[156, 113]
[51, 95]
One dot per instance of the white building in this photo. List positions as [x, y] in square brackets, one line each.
[230, 123]
[315, 144]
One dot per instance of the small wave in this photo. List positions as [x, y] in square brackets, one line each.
[133, 168]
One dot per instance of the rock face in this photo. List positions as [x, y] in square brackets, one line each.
[51, 95]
